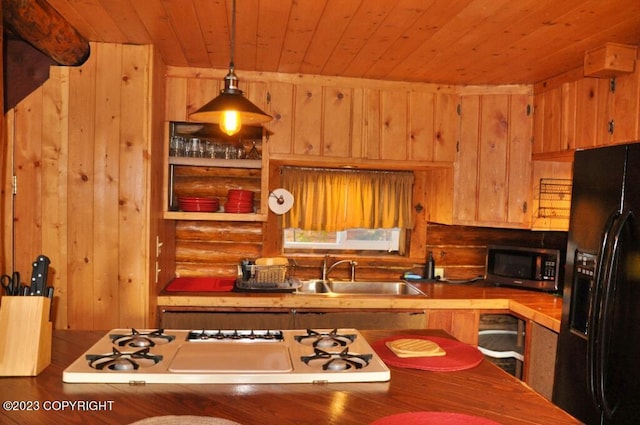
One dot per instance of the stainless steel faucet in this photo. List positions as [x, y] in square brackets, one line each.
[326, 269]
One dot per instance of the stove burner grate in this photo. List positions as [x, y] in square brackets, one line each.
[338, 361]
[122, 361]
[331, 339]
[235, 335]
[141, 339]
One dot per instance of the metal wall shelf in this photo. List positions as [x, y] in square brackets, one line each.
[555, 198]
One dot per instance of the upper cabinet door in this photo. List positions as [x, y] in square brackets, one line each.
[493, 171]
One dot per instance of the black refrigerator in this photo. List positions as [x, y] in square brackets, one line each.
[597, 374]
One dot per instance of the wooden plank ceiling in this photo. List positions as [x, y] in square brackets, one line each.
[438, 41]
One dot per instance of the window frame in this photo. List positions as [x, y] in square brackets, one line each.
[344, 243]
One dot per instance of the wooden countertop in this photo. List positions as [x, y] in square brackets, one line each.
[544, 309]
[483, 391]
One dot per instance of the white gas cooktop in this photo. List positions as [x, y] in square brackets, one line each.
[228, 357]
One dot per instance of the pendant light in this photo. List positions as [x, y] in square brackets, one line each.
[230, 109]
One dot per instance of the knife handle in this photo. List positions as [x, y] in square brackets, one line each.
[39, 275]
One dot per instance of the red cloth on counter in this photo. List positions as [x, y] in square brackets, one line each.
[433, 418]
[201, 284]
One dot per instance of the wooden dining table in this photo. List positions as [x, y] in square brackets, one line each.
[482, 391]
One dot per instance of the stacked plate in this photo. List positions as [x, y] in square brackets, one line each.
[195, 204]
[239, 201]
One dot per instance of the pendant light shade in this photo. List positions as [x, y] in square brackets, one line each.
[230, 109]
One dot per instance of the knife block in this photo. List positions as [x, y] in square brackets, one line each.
[25, 335]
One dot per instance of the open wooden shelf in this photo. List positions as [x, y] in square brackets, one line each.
[217, 216]
[216, 162]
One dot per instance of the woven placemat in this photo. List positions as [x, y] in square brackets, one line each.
[184, 420]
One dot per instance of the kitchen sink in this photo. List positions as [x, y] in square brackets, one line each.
[348, 287]
[312, 287]
[372, 288]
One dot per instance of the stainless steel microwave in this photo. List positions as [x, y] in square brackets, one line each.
[530, 268]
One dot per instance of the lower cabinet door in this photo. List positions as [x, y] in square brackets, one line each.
[226, 320]
[360, 319]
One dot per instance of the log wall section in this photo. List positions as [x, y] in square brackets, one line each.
[461, 250]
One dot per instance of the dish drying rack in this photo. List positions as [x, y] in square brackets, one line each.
[278, 277]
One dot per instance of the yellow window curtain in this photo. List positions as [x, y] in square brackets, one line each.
[335, 199]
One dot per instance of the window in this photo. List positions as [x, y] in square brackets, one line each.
[351, 239]
[346, 209]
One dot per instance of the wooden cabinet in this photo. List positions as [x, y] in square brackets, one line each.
[355, 120]
[194, 319]
[598, 112]
[540, 356]
[623, 103]
[213, 172]
[537, 344]
[292, 319]
[581, 113]
[358, 319]
[586, 112]
[492, 175]
[462, 324]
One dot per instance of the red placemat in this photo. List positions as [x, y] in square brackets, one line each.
[459, 356]
[433, 418]
[201, 284]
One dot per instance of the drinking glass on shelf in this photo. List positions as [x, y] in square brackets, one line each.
[209, 149]
[202, 145]
[194, 147]
[230, 152]
[219, 151]
[176, 146]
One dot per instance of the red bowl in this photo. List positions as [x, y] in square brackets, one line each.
[197, 200]
[193, 204]
[237, 210]
[199, 208]
[240, 194]
[242, 205]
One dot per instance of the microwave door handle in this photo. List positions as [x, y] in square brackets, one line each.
[595, 305]
[605, 316]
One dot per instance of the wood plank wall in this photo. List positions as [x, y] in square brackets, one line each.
[83, 161]
[6, 219]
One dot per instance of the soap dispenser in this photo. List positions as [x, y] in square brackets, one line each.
[430, 267]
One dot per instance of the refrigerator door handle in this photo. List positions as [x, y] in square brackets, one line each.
[606, 311]
[594, 377]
